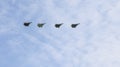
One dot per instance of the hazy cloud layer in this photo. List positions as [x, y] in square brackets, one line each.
[94, 43]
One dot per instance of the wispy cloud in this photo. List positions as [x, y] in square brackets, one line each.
[94, 43]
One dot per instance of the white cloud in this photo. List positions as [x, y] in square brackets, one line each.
[94, 43]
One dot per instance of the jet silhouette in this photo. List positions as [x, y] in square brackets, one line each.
[40, 25]
[74, 25]
[27, 23]
[58, 25]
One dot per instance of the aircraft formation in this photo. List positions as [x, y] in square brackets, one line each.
[40, 25]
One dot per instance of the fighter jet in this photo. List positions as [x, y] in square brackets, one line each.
[74, 25]
[27, 23]
[40, 25]
[58, 25]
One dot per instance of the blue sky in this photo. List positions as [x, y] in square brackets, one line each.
[94, 43]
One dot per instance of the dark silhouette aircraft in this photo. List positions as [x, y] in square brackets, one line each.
[74, 25]
[58, 25]
[40, 25]
[27, 23]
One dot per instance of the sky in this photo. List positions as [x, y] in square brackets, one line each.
[93, 43]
